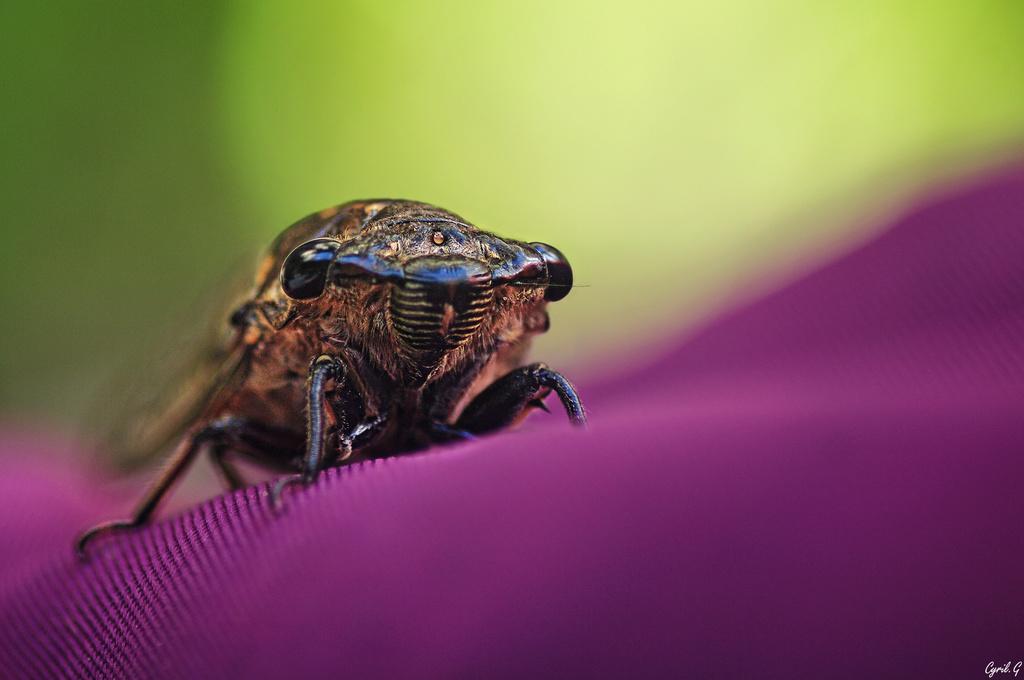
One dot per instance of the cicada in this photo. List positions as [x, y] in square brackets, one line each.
[375, 328]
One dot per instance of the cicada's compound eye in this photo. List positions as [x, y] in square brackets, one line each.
[559, 272]
[304, 273]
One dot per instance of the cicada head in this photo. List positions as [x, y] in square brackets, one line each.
[418, 288]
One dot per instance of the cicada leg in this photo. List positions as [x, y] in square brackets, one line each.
[223, 435]
[228, 472]
[509, 398]
[323, 369]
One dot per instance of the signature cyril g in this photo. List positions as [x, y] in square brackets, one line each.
[991, 669]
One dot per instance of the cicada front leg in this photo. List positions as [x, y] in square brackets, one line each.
[324, 369]
[507, 399]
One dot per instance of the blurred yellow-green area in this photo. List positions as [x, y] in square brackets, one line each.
[675, 151]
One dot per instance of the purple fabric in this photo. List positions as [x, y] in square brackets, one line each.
[826, 483]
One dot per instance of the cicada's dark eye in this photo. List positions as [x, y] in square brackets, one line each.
[304, 273]
[559, 272]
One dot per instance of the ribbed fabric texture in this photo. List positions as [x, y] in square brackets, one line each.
[828, 482]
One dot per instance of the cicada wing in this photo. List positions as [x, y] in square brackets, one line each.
[161, 421]
[158, 396]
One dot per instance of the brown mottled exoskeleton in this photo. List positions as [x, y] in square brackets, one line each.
[376, 328]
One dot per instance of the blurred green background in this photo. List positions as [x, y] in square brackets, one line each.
[677, 152]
